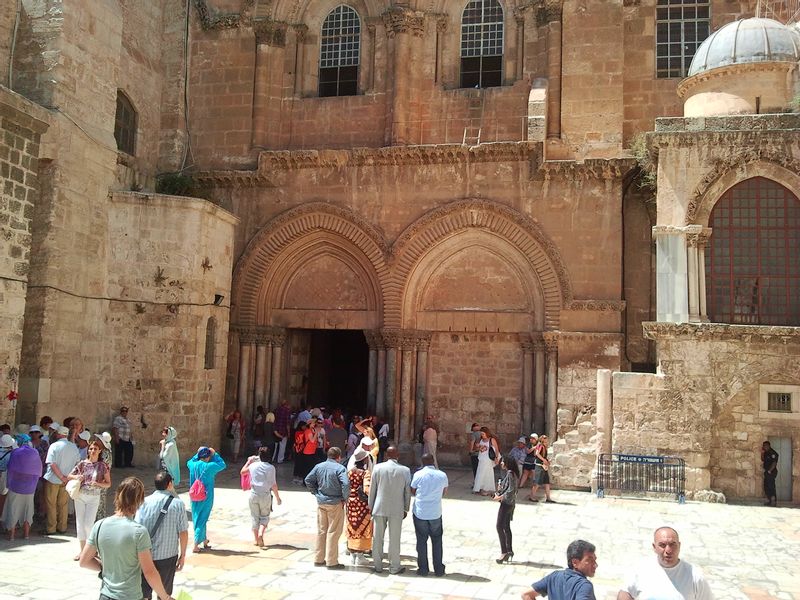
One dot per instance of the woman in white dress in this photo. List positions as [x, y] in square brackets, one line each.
[484, 476]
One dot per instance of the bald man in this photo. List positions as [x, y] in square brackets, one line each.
[666, 577]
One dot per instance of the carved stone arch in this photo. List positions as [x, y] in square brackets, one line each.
[264, 270]
[521, 232]
[776, 165]
[313, 12]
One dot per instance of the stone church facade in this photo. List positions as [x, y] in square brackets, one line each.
[448, 194]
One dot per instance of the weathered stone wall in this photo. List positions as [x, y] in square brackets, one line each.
[474, 377]
[708, 403]
[21, 125]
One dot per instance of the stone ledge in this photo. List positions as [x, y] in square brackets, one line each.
[179, 202]
[22, 111]
[720, 332]
[768, 122]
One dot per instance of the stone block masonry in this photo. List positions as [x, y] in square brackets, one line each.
[21, 125]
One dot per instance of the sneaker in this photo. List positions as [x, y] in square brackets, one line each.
[399, 571]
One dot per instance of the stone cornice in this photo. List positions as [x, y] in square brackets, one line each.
[232, 179]
[721, 332]
[731, 71]
[596, 305]
[595, 168]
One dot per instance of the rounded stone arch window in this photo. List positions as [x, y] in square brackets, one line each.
[340, 52]
[753, 255]
[482, 44]
[125, 123]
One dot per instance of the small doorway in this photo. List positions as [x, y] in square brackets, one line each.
[338, 368]
[783, 482]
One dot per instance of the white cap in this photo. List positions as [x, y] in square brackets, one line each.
[85, 435]
[62, 430]
[367, 441]
[7, 441]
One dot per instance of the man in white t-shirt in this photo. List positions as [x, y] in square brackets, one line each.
[666, 577]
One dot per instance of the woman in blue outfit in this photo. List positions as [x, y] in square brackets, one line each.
[203, 466]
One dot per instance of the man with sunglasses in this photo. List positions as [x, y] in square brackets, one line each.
[122, 430]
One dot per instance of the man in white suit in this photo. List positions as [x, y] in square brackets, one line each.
[389, 501]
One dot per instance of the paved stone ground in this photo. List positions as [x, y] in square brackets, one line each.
[746, 551]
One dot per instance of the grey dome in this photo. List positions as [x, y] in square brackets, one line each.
[747, 41]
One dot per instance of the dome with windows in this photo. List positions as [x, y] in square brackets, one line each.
[754, 40]
[745, 67]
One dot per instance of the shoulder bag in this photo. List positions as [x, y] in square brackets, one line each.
[492, 453]
[74, 488]
[162, 513]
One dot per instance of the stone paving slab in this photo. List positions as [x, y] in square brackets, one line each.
[747, 552]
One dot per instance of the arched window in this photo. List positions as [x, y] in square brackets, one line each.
[125, 124]
[482, 44]
[753, 258]
[211, 343]
[340, 52]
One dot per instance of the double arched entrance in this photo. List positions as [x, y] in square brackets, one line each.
[457, 317]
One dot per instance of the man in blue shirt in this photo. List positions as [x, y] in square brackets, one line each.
[572, 582]
[328, 481]
[428, 486]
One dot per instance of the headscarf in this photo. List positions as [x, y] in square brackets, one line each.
[24, 470]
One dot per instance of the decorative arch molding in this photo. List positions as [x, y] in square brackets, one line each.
[772, 163]
[519, 230]
[343, 228]
[306, 11]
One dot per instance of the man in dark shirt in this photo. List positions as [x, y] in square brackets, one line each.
[572, 582]
[328, 481]
[769, 459]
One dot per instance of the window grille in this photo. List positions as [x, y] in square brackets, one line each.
[340, 50]
[681, 26]
[779, 402]
[752, 266]
[482, 44]
[125, 124]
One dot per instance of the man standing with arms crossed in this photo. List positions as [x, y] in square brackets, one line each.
[169, 534]
[666, 577]
[389, 500]
[428, 486]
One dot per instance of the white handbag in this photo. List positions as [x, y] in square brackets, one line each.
[74, 488]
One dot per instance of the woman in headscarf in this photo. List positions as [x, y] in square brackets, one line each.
[168, 455]
[203, 466]
[359, 518]
[24, 471]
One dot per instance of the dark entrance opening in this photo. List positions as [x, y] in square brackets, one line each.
[338, 370]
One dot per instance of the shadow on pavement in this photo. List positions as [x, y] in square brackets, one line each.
[535, 565]
[284, 547]
[465, 577]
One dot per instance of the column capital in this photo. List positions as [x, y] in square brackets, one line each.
[423, 340]
[399, 19]
[441, 22]
[300, 32]
[374, 339]
[405, 339]
[270, 33]
[550, 339]
[698, 238]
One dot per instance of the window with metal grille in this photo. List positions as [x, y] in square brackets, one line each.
[681, 26]
[779, 402]
[753, 257]
[125, 124]
[339, 53]
[482, 44]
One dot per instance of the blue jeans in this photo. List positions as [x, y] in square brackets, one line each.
[429, 529]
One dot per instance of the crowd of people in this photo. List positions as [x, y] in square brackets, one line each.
[349, 465]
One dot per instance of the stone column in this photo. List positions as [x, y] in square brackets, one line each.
[391, 340]
[526, 399]
[672, 294]
[270, 46]
[380, 384]
[277, 338]
[300, 32]
[246, 342]
[519, 59]
[407, 405]
[693, 275]
[422, 406]
[401, 24]
[262, 369]
[605, 411]
[551, 402]
[702, 242]
[539, 409]
[372, 370]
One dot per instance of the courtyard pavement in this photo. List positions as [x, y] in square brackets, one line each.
[745, 551]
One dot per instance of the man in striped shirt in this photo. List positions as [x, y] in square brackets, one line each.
[170, 539]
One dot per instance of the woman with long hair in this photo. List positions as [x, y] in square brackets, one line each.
[236, 431]
[359, 517]
[108, 458]
[94, 476]
[506, 495]
[484, 476]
